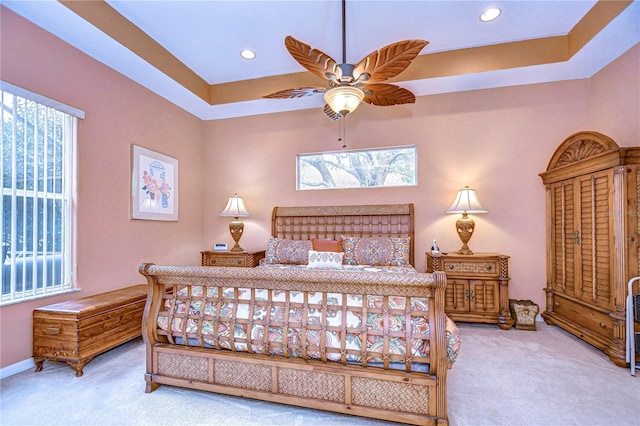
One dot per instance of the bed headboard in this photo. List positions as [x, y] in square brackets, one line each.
[332, 222]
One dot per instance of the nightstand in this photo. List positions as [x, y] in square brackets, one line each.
[243, 259]
[477, 286]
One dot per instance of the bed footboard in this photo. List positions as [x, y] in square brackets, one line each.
[363, 381]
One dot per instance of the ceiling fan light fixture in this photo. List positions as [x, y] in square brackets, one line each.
[344, 99]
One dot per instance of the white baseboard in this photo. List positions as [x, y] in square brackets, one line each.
[16, 368]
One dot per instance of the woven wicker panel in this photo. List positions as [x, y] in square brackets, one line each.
[389, 395]
[183, 367]
[327, 211]
[311, 384]
[416, 285]
[472, 267]
[243, 375]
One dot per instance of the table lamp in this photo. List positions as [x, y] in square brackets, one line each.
[466, 202]
[236, 209]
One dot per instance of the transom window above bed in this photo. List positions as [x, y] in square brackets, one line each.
[372, 168]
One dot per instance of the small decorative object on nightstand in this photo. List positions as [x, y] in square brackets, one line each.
[245, 259]
[434, 248]
[477, 286]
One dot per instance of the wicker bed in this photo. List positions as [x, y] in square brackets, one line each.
[404, 385]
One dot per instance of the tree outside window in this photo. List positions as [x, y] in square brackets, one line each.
[372, 168]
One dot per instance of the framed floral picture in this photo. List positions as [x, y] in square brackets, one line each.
[154, 185]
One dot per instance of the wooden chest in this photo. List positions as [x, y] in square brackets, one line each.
[77, 330]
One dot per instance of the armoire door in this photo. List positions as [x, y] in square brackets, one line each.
[595, 243]
[582, 243]
[564, 237]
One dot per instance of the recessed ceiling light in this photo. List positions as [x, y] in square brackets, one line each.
[248, 54]
[490, 14]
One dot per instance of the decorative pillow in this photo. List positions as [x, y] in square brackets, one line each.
[327, 245]
[291, 252]
[325, 259]
[392, 251]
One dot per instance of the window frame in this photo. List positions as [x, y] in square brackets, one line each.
[299, 158]
[66, 199]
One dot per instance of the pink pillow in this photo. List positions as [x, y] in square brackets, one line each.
[327, 245]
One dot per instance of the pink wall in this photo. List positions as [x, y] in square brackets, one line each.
[119, 113]
[494, 140]
[615, 99]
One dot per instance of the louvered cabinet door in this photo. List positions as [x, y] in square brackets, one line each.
[595, 245]
[483, 295]
[457, 296]
[564, 237]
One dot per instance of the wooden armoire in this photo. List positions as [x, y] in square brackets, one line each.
[592, 187]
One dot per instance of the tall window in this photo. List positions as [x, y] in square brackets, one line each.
[38, 173]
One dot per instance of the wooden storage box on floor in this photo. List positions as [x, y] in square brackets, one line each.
[77, 330]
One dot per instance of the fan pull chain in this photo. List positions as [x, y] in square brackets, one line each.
[342, 132]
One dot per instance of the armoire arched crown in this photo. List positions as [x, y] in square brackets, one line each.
[579, 146]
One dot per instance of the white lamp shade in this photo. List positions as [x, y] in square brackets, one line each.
[235, 208]
[466, 202]
[344, 98]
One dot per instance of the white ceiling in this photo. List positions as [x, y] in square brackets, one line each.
[207, 37]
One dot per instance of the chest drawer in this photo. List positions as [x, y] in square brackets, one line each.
[239, 261]
[488, 268]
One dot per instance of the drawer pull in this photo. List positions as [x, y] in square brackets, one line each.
[450, 266]
[489, 267]
[239, 261]
[556, 304]
[213, 261]
[603, 325]
[54, 330]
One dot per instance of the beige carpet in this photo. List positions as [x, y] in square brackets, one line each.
[510, 377]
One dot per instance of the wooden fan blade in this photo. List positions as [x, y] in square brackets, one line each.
[314, 60]
[387, 94]
[389, 61]
[299, 92]
[331, 113]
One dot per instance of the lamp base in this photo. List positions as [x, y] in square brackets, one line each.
[465, 226]
[236, 228]
[464, 250]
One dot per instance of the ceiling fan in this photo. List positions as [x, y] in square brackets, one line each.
[350, 84]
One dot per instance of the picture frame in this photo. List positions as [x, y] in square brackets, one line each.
[154, 185]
